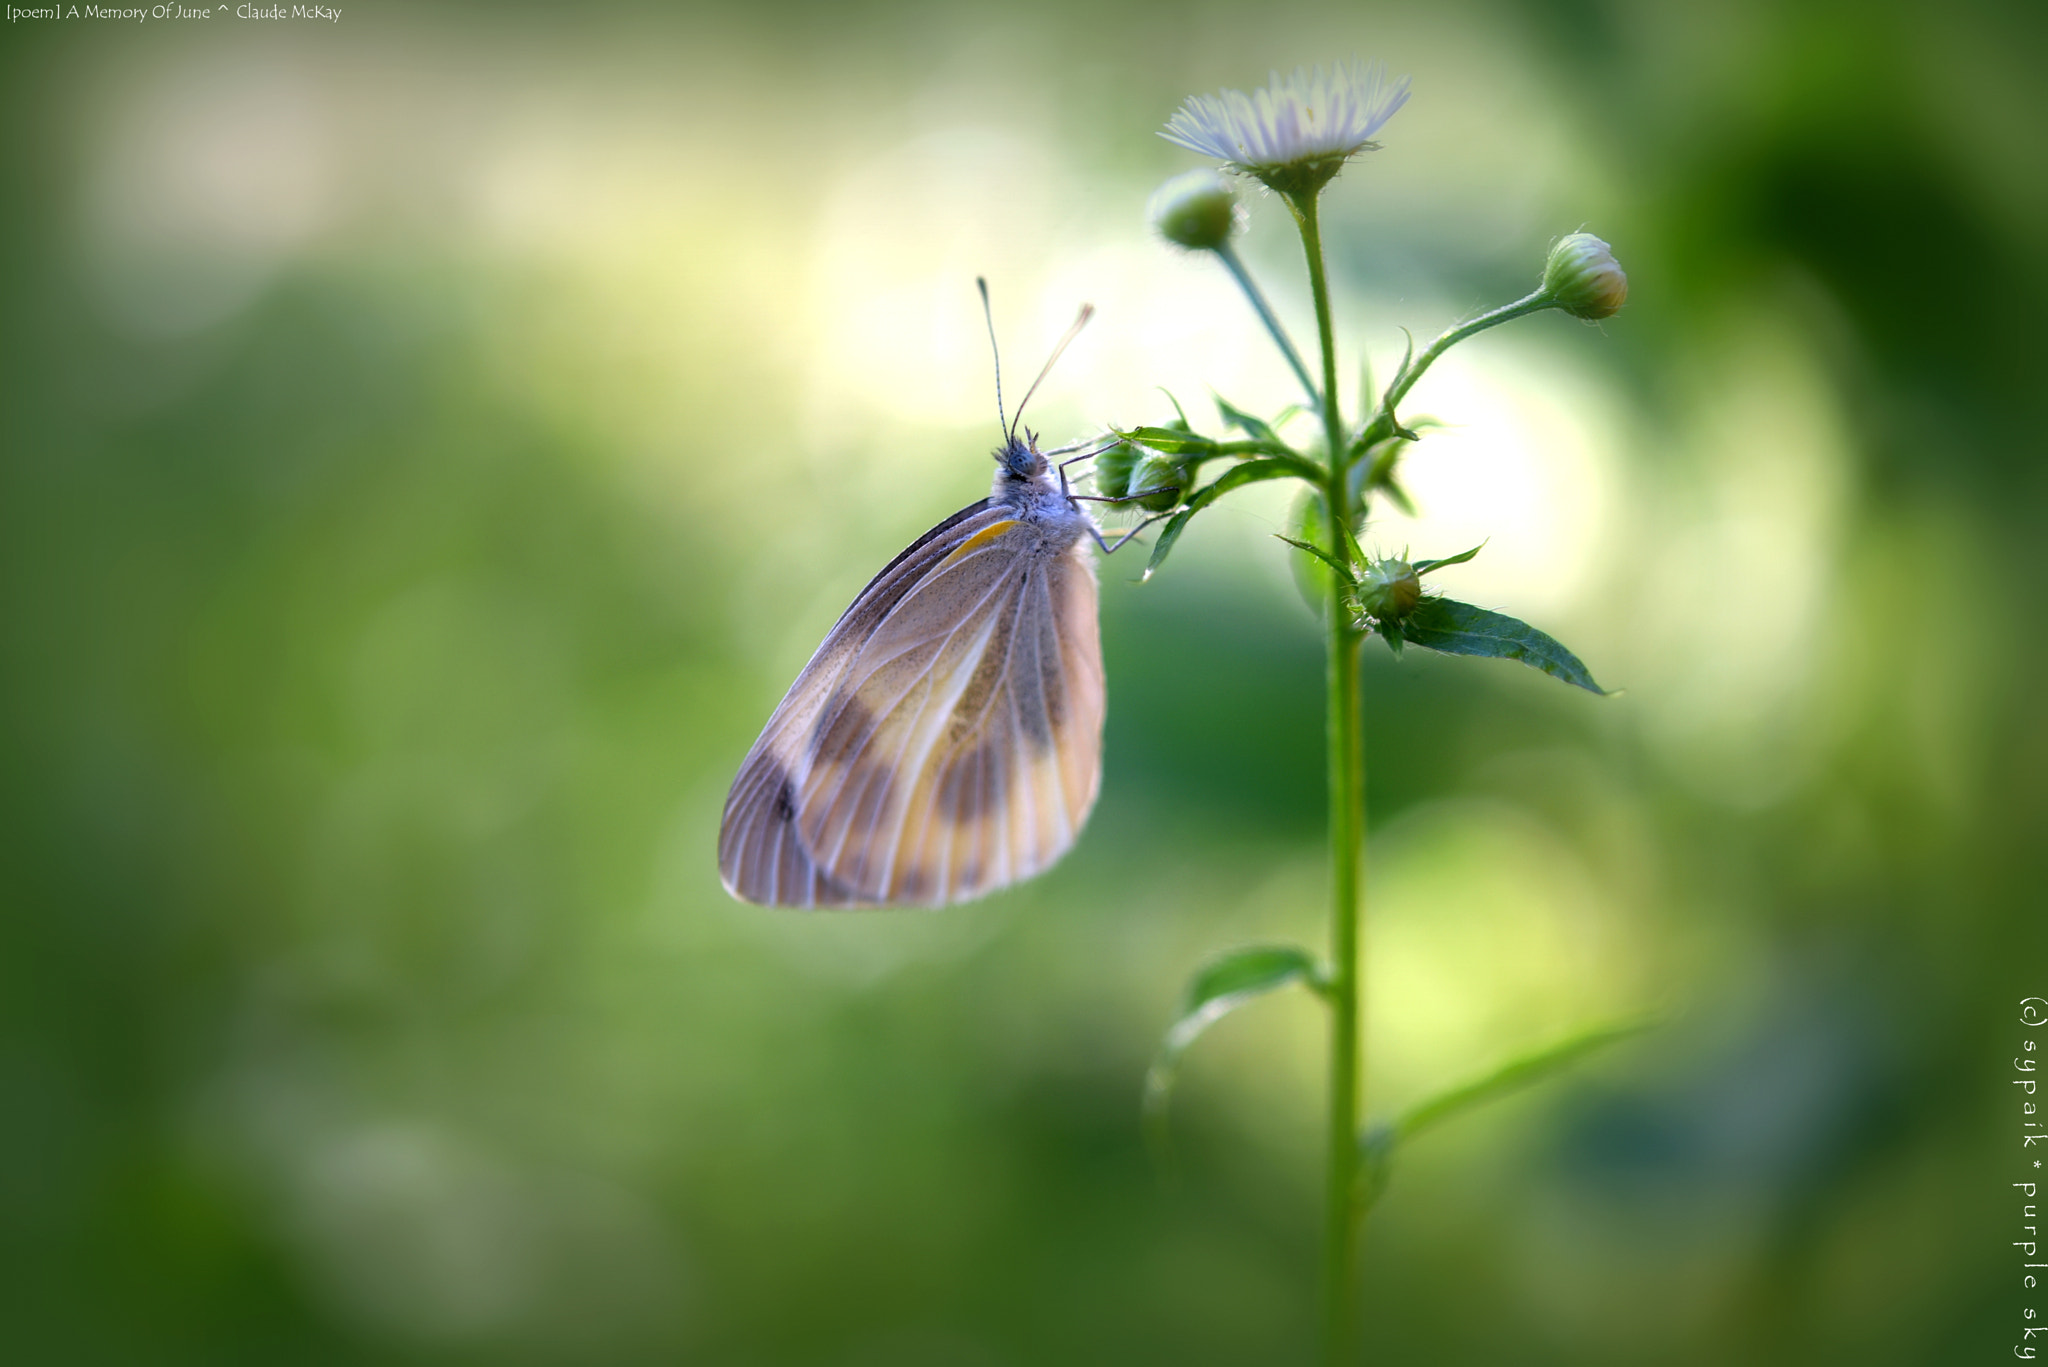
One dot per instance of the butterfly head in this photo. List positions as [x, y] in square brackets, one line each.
[1019, 457]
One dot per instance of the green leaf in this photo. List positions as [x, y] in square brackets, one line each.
[1400, 371]
[1218, 988]
[1425, 566]
[1236, 477]
[1319, 553]
[1398, 496]
[1250, 472]
[1168, 442]
[1366, 473]
[1461, 629]
[1179, 412]
[1385, 417]
[1311, 525]
[1523, 1070]
[1382, 1142]
[1165, 542]
[1351, 546]
[1237, 417]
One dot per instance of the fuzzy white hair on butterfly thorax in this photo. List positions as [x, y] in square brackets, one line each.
[1024, 487]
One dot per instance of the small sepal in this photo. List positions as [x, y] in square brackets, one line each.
[1428, 566]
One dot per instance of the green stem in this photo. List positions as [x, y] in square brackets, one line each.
[1228, 256]
[1342, 1208]
[1405, 381]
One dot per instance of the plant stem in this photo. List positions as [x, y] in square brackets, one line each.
[1405, 381]
[1342, 1208]
[1231, 262]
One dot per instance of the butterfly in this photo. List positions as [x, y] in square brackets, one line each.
[946, 738]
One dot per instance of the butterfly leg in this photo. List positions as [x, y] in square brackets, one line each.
[1062, 466]
[1111, 547]
[1074, 446]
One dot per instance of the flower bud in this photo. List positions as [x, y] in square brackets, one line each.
[1390, 590]
[1164, 482]
[1113, 470]
[1584, 279]
[1197, 210]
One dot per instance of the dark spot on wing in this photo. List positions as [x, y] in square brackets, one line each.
[843, 728]
[849, 789]
[973, 785]
[764, 860]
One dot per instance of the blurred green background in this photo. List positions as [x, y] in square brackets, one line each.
[432, 441]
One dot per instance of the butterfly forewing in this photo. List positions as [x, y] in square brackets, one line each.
[945, 739]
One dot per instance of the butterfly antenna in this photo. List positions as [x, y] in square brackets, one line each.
[988, 316]
[1080, 321]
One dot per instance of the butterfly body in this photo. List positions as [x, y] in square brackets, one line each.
[945, 739]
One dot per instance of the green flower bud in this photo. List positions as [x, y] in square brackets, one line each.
[1584, 279]
[1197, 210]
[1390, 590]
[1167, 480]
[1113, 470]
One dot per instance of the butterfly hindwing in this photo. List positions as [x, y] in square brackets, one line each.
[945, 739]
[963, 754]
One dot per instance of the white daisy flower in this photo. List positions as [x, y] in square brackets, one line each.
[1296, 133]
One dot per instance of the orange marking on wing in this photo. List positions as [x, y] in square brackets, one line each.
[978, 540]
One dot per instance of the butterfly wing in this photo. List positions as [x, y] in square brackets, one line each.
[945, 740]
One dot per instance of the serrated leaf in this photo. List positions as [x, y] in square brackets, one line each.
[1425, 566]
[1237, 417]
[1168, 442]
[1167, 537]
[1379, 1145]
[1217, 989]
[1461, 629]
